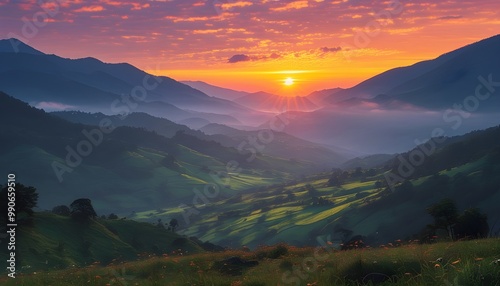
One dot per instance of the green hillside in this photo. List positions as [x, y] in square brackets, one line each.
[56, 242]
[363, 202]
[131, 169]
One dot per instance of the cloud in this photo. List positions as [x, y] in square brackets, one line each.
[239, 58]
[450, 17]
[330, 50]
[292, 6]
[228, 6]
[406, 31]
[246, 58]
[86, 9]
[275, 56]
[53, 106]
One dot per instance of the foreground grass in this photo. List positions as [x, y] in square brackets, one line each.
[445, 263]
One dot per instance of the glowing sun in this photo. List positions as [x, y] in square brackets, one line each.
[288, 81]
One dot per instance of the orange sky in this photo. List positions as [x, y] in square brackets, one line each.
[253, 45]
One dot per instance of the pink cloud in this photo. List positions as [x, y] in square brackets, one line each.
[53, 106]
[87, 9]
[292, 6]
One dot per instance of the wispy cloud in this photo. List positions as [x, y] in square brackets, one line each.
[53, 106]
[292, 6]
[93, 8]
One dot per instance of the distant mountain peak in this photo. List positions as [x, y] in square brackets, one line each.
[14, 45]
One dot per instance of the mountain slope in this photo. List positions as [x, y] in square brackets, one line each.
[55, 241]
[128, 168]
[15, 46]
[215, 91]
[282, 145]
[434, 84]
[463, 168]
[93, 85]
[162, 126]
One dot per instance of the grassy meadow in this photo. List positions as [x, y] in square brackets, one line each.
[444, 263]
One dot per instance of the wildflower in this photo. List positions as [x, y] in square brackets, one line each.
[437, 265]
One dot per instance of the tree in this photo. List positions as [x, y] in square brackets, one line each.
[82, 210]
[160, 224]
[26, 198]
[112, 216]
[445, 215]
[472, 224]
[337, 178]
[173, 224]
[61, 210]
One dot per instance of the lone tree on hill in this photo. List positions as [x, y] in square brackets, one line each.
[445, 215]
[173, 224]
[61, 210]
[472, 224]
[82, 210]
[26, 198]
[112, 216]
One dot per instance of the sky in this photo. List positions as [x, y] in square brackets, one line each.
[253, 45]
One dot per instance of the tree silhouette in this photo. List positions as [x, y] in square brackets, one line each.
[160, 224]
[112, 216]
[445, 215]
[82, 210]
[61, 210]
[173, 224]
[472, 224]
[26, 198]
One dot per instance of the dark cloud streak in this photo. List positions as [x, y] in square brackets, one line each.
[239, 58]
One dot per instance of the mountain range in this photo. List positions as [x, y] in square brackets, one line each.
[413, 98]
[91, 85]
[271, 170]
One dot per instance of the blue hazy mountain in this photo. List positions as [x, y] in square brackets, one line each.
[91, 85]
